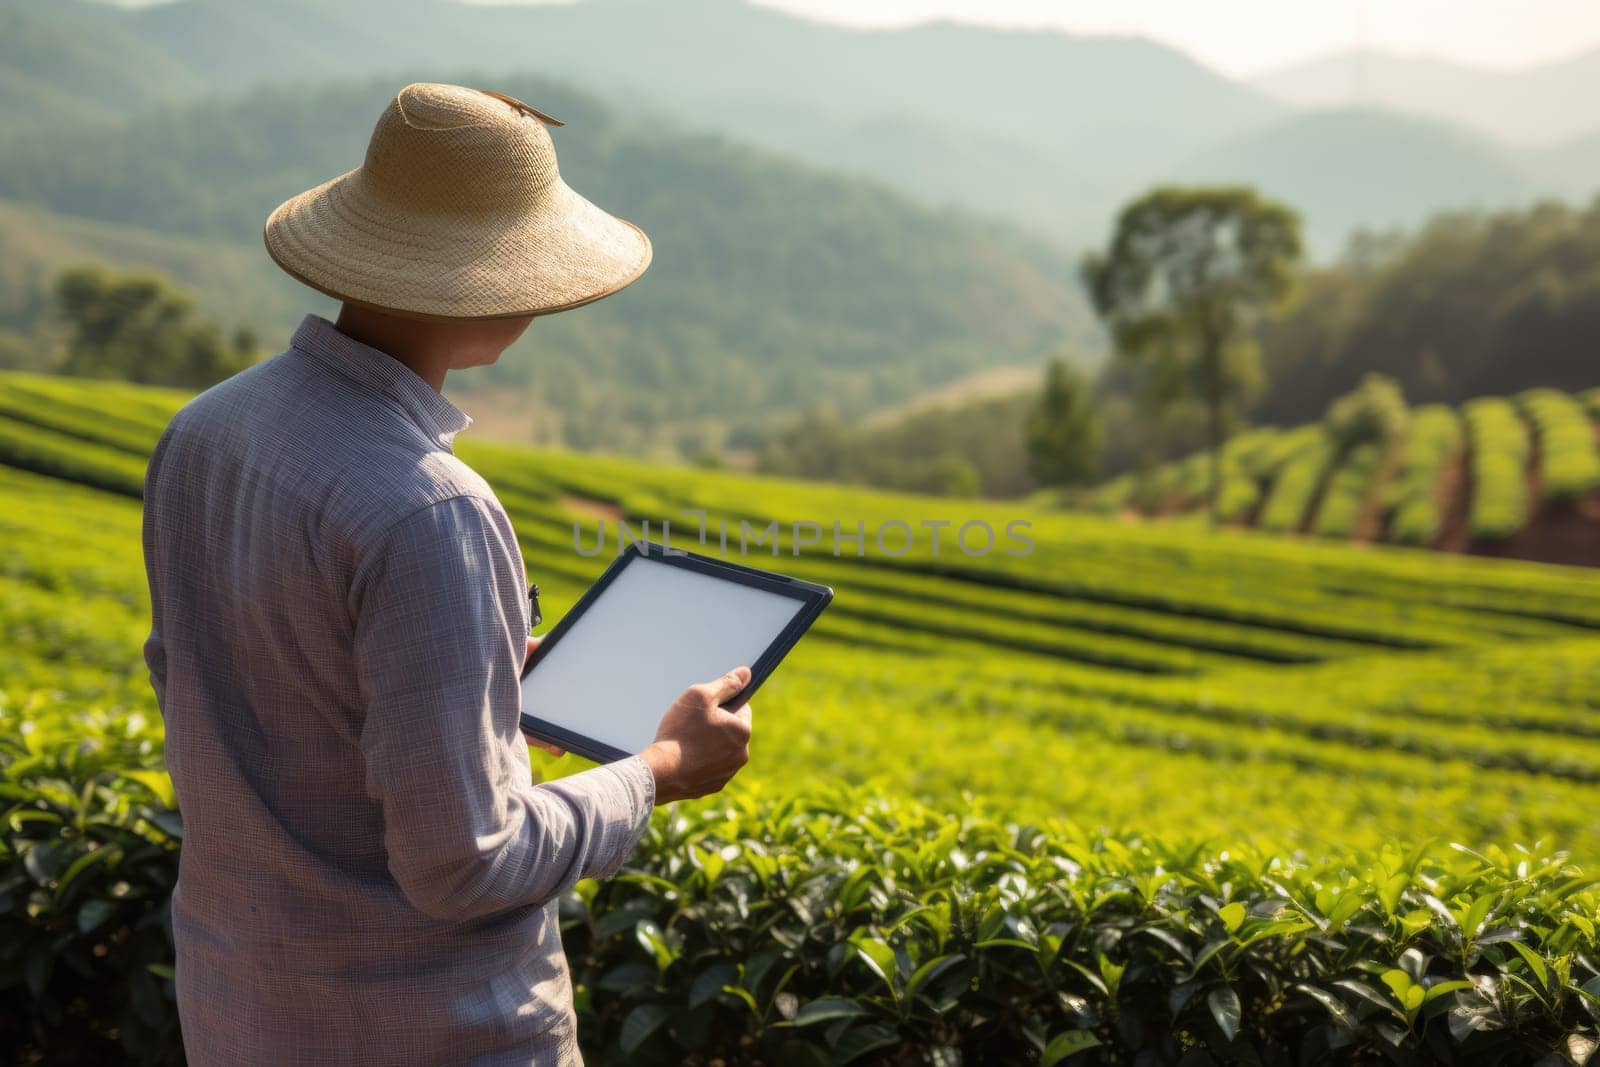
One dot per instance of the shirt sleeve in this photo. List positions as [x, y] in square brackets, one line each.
[155, 653]
[439, 642]
[155, 657]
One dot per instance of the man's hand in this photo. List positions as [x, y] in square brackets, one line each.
[700, 744]
[533, 643]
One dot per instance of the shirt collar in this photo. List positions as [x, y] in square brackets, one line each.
[365, 365]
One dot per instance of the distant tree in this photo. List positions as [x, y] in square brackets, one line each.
[1469, 305]
[944, 475]
[1063, 432]
[967, 447]
[1189, 273]
[138, 328]
[815, 444]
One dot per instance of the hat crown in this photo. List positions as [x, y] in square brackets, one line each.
[447, 149]
[458, 212]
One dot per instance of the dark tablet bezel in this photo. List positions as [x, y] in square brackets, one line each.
[812, 597]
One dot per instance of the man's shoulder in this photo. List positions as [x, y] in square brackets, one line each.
[214, 424]
[382, 484]
[231, 394]
[357, 462]
[439, 476]
[442, 508]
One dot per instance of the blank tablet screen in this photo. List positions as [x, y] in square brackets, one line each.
[655, 630]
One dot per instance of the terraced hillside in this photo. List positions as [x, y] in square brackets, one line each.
[1516, 476]
[1260, 749]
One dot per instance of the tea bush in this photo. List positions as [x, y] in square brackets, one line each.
[1293, 493]
[1264, 744]
[1499, 445]
[88, 859]
[1276, 474]
[1569, 463]
[1247, 461]
[846, 926]
[1433, 439]
[849, 927]
[50, 452]
[1373, 413]
[1346, 492]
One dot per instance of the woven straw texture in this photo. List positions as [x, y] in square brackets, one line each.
[458, 211]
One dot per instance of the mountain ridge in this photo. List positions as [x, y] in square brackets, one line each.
[1346, 169]
[743, 70]
[1527, 106]
[1047, 130]
[775, 285]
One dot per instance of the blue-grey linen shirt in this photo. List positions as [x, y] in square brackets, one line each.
[368, 874]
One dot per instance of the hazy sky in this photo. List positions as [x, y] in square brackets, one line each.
[1249, 36]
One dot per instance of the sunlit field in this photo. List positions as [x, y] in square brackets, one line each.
[1295, 764]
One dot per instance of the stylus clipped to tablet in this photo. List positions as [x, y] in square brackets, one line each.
[656, 622]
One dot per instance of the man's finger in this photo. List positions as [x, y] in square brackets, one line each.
[729, 684]
[533, 643]
[742, 713]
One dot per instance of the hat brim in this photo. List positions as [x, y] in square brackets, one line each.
[342, 240]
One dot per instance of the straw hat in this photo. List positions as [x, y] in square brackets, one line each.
[458, 212]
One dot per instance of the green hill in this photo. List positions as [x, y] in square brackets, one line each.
[1014, 124]
[773, 286]
[1526, 105]
[993, 120]
[1364, 168]
[67, 61]
[1572, 164]
[233, 282]
[1517, 476]
[1141, 787]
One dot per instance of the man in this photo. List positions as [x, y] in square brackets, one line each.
[341, 616]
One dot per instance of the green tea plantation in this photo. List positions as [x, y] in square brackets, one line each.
[1059, 789]
[1516, 476]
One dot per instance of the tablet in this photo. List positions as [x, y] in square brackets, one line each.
[658, 621]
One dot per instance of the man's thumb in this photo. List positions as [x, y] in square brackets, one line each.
[730, 683]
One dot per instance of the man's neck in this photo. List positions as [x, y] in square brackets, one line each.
[417, 344]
